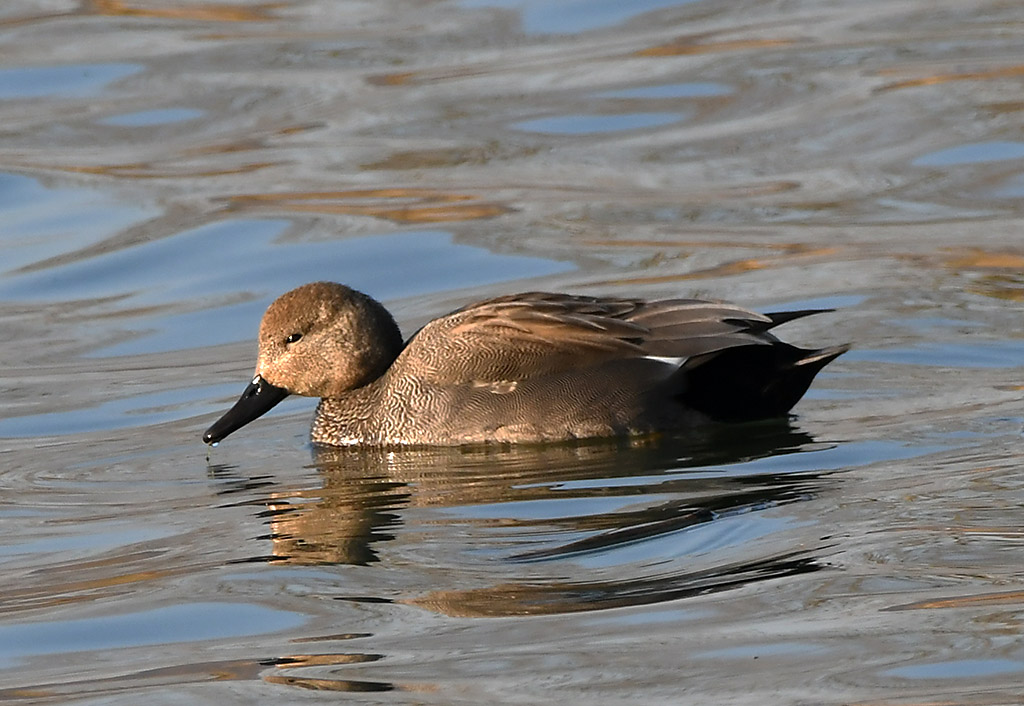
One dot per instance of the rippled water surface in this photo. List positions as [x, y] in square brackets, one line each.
[168, 168]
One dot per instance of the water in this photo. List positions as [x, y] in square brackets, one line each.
[166, 171]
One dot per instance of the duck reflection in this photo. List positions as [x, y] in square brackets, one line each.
[622, 492]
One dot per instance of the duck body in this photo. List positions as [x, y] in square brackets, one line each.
[548, 408]
[526, 368]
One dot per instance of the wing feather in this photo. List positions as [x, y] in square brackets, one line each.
[521, 336]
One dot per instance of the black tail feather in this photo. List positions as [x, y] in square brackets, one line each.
[781, 317]
[753, 382]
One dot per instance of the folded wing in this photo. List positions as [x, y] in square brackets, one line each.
[527, 335]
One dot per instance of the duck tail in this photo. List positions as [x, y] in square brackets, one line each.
[752, 382]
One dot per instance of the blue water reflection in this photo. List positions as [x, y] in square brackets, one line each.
[71, 81]
[815, 460]
[957, 669]
[121, 412]
[975, 153]
[187, 622]
[726, 532]
[544, 17]
[100, 536]
[147, 118]
[980, 354]
[596, 124]
[418, 262]
[40, 222]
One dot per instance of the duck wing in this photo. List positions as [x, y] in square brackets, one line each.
[527, 335]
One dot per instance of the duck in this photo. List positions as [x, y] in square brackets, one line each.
[535, 367]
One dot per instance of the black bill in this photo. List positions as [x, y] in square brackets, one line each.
[257, 399]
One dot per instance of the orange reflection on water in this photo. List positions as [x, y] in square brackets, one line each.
[319, 660]
[1001, 598]
[397, 79]
[145, 170]
[1003, 272]
[420, 205]
[938, 78]
[208, 12]
[976, 258]
[685, 46]
[344, 685]
[698, 244]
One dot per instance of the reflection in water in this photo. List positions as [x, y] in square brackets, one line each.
[352, 514]
[578, 596]
[319, 684]
[296, 661]
[536, 509]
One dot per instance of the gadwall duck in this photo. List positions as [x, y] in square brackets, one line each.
[533, 367]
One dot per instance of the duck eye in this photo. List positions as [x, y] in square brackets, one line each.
[292, 338]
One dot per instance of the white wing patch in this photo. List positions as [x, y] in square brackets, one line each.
[497, 387]
[675, 362]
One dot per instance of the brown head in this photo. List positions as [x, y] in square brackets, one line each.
[319, 340]
[324, 339]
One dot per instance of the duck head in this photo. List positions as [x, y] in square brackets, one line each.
[319, 340]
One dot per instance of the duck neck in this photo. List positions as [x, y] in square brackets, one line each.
[348, 418]
[374, 352]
